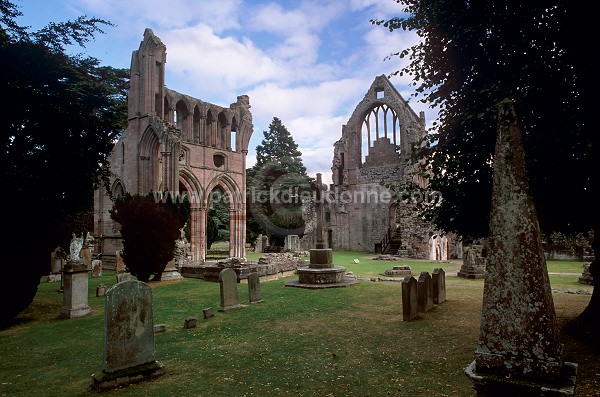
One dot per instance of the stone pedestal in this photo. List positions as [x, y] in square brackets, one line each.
[75, 293]
[321, 272]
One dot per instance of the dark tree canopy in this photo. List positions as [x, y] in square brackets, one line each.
[58, 122]
[471, 56]
[275, 185]
[149, 227]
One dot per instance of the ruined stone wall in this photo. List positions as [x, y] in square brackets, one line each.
[386, 128]
[176, 143]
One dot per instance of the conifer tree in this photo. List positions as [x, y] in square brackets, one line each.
[275, 185]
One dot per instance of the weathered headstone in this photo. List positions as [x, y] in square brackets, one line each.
[424, 292]
[190, 322]
[254, 288]
[409, 299]
[171, 272]
[57, 260]
[439, 285]
[75, 290]
[119, 263]
[474, 263]
[229, 293]
[121, 277]
[128, 337]
[101, 290]
[586, 277]
[160, 328]
[86, 257]
[208, 312]
[519, 351]
[96, 268]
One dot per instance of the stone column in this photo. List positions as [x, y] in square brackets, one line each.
[519, 352]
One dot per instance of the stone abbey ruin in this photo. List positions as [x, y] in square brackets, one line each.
[177, 143]
[376, 146]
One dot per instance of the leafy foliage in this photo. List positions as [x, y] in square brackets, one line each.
[149, 227]
[471, 56]
[57, 125]
[217, 228]
[275, 186]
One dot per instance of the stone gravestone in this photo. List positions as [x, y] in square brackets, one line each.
[101, 290]
[119, 263]
[121, 277]
[474, 263]
[439, 285]
[75, 290]
[519, 351]
[254, 288]
[409, 299]
[86, 257]
[586, 277]
[96, 268]
[424, 292]
[57, 260]
[190, 322]
[229, 293]
[128, 337]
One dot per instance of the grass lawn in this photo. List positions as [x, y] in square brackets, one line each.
[297, 342]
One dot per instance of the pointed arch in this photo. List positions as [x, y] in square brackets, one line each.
[149, 167]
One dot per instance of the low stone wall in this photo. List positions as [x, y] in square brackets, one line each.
[268, 267]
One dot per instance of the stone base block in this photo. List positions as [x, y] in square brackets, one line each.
[171, 275]
[73, 313]
[470, 275]
[111, 380]
[490, 385]
[309, 277]
[232, 308]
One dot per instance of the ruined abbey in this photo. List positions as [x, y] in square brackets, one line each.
[376, 146]
[176, 143]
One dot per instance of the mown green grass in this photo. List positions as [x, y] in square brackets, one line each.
[297, 342]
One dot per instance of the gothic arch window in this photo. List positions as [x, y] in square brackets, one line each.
[180, 120]
[149, 161]
[234, 129]
[117, 189]
[210, 139]
[166, 110]
[223, 135]
[381, 122]
[197, 131]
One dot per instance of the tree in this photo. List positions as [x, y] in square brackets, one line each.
[58, 122]
[276, 184]
[471, 56]
[217, 228]
[149, 227]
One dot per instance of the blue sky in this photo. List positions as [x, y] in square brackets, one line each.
[307, 62]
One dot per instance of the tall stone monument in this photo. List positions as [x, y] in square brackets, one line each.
[321, 272]
[519, 352]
